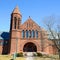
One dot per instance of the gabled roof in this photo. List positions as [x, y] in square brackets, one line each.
[29, 20]
[29, 23]
[4, 35]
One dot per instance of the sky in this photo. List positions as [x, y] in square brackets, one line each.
[36, 9]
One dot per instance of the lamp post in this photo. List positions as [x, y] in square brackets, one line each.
[42, 43]
[16, 42]
[15, 54]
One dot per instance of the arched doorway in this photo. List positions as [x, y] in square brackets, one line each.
[29, 47]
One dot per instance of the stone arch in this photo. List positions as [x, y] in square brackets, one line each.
[29, 47]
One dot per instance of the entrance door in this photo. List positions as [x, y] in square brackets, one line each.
[30, 47]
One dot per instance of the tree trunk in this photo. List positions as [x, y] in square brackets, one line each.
[59, 53]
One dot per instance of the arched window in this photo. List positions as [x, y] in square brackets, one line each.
[18, 23]
[27, 34]
[23, 34]
[36, 34]
[15, 20]
[33, 33]
[27, 25]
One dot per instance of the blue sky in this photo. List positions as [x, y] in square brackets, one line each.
[37, 9]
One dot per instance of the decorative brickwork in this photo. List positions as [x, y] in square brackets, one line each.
[27, 37]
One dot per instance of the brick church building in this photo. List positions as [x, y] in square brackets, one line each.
[26, 37]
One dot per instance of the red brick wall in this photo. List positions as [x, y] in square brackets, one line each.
[1, 46]
[41, 42]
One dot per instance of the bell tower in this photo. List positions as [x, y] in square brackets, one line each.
[14, 29]
[15, 19]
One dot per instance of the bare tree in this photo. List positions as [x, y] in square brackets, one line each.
[54, 29]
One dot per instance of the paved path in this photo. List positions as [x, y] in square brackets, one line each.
[29, 56]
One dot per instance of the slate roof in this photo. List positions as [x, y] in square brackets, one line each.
[4, 35]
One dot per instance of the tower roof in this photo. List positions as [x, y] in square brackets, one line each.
[16, 10]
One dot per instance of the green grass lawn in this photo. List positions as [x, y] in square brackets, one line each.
[8, 57]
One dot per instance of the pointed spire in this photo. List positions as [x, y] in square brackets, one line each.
[29, 18]
[16, 10]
